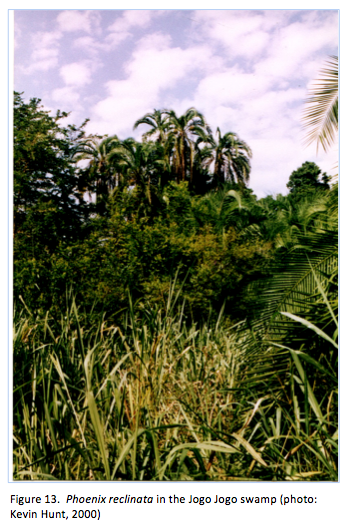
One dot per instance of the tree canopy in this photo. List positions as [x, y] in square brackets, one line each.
[307, 178]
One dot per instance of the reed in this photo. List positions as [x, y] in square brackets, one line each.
[147, 396]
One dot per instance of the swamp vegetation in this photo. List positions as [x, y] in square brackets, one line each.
[168, 325]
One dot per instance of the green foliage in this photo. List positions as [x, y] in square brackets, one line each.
[201, 340]
[47, 212]
[306, 179]
[44, 173]
[151, 397]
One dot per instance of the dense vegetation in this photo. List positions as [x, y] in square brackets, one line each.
[167, 323]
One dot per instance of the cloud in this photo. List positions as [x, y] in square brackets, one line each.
[77, 74]
[296, 47]
[43, 65]
[122, 26]
[45, 51]
[130, 19]
[274, 113]
[232, 87]
[283, 38]
[87, 21]
[66, 95]
[89, 45]
[155, 66]
[240, 33]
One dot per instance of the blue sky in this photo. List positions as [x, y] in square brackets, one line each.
[247, 71]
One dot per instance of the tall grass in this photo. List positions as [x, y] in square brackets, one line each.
[147, 396]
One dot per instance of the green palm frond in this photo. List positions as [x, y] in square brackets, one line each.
[158, 124]
[321, 113]
[294, 287]
[231, 158]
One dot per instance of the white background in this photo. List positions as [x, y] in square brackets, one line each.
[333, 499]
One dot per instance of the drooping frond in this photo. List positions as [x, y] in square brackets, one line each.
[321, 113]
[157, 123]
[294, 288]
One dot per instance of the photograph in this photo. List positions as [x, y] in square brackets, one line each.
[174, 299]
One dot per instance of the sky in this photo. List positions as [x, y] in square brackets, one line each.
[247, 71]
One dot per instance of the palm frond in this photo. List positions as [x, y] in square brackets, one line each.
[321, 113]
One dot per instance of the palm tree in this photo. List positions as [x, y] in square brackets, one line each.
[158, 124]
[181, 133]
[200, 175]
[321, 114]
[231, 158]
[158, 121]
[142, 164]
[224, 208]
[101, 172]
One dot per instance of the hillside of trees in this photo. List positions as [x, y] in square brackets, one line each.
[167, 323]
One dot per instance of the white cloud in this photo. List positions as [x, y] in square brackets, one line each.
[232, 87]
[46, 39]
[241, 33]
[77, 74]
[295, 48]
[273, 113]
[114, 38]
[284, 44]
[154, 67]
[89, 45]
[122, 27]
[43, 65]
[129, 19]
[78, 21]
[45, 51]
[66, 95]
